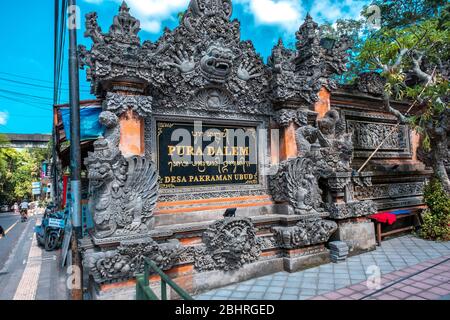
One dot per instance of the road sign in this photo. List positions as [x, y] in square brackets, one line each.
[56, 223]
[36, 185]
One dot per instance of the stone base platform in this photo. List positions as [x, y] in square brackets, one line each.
[358, 233]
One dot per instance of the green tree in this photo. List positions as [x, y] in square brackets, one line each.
[18, 169]
[436, 218]
[414, 59]
[411, 50]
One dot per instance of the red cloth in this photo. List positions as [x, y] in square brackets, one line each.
[384, 217]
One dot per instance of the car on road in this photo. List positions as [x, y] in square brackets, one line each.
[4, 208]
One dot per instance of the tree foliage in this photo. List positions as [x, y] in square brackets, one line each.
[437, 217]
[18, 169]
[411, 50]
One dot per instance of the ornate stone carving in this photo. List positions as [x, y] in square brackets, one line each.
[213, 99]
[351, 209]
[115, 54]
[371, 82]
[322, 151]
[305, 233]
[391, 190]
[369, 135]
[362, 181]
[124, 191]
[229, 244]
[128, 259]
[370, 129]
[297, 183]
[119, 104]
[205, 50]
[299, 75]
[285, 116]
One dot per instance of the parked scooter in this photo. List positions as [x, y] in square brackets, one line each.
[51, 231]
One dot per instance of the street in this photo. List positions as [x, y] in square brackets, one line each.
[28, 272]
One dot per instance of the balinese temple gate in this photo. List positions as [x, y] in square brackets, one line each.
[166, 169]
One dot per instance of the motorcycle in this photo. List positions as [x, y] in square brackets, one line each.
[23, 215]
[51, 231]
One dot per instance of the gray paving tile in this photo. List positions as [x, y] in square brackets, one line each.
[238, 294]
[271, 296]
[310, 275]
[280, 277]
[244, 287]
[342, 281]
[326, 280]
[262, 282]
[309, 286]
[326, 275]
[325, 286]
[394, 254]
[223, 293]
[305, 291]
[295, 291]
[255, 295]
[341, 271]
[341, 276]
[288, 297]
[293, 284]
[275, 289]
[257, 288]
[277, 283]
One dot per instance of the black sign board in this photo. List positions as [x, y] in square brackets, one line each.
[198, 154]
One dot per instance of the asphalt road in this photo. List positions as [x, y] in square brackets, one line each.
[14, 228]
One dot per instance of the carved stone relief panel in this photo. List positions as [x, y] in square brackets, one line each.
[370, 130]
[389, 190]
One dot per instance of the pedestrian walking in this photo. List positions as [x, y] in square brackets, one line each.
[2, 232]
[16, 208]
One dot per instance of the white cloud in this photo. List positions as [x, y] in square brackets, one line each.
[285, 13]
[330, 10]
[152, 12]
[3, 117]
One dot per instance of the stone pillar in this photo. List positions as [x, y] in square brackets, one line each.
[126, 101]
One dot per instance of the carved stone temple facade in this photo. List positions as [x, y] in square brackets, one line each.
[301, 190]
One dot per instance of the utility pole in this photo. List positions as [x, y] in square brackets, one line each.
[54, 171]
[75, 152]
[74, 101]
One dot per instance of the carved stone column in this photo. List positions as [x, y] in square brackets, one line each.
[289, 120]
[127, 102]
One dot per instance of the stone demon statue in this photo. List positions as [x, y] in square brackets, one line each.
[124, 190]
[322, 151]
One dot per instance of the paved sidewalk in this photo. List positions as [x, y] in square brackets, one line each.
[31, 273]
[425, 281]
[394, 259]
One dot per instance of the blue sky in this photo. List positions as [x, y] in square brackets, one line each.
[26, 31]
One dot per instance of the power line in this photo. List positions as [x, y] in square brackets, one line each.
[26, 116]
[25, 95]
[21, 87]
[32, 84]
[35, 79]
[35, 85]
[32, 104]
